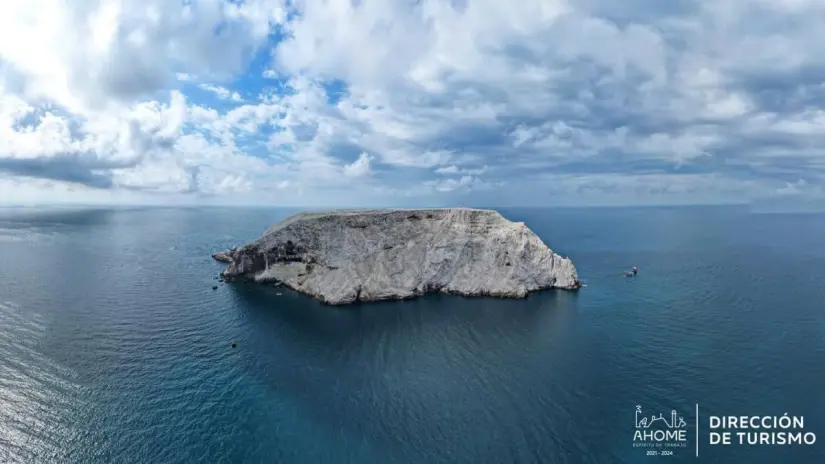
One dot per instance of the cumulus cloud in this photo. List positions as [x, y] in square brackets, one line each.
[448, 185]
[222, 92]
[515, 102]
[359, 167]
[453, 169]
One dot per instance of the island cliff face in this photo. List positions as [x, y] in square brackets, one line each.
[342, 257]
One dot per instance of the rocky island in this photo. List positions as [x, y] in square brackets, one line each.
[341, 257]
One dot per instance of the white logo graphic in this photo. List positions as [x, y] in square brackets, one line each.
[657, 432]
[643, 422]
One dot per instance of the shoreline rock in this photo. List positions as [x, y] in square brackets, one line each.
[222, 256]
[342, 257]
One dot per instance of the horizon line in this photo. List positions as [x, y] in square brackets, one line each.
[363, 207]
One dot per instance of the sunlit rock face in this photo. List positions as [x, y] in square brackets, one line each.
[341, 257]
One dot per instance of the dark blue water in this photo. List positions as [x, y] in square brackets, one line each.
[115, 348]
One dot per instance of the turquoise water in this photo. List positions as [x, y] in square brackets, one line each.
[115, 348]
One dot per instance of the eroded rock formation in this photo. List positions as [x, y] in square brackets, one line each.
[341, 257]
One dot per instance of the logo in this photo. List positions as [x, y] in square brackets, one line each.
[643, 422]
[661, 433]
[666, 433]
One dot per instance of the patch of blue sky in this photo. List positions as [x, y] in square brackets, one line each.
[335, 89]
[30, 120]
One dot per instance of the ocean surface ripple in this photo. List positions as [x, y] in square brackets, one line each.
[115, 348]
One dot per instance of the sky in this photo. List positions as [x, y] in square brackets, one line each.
[411, 102]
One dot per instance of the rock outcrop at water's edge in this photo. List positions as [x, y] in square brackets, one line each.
[342, 257]
[222, 256]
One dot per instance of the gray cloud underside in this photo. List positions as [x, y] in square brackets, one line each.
[676, 96]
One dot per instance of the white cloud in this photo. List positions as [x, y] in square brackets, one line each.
[448, 185]
[86, 55]
[222, 92]
[792, 188]
[448, 98]
[453, 169]
[359, 167]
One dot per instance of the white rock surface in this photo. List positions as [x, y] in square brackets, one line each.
[341, 257]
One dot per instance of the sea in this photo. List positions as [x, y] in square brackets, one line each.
[114, 347]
